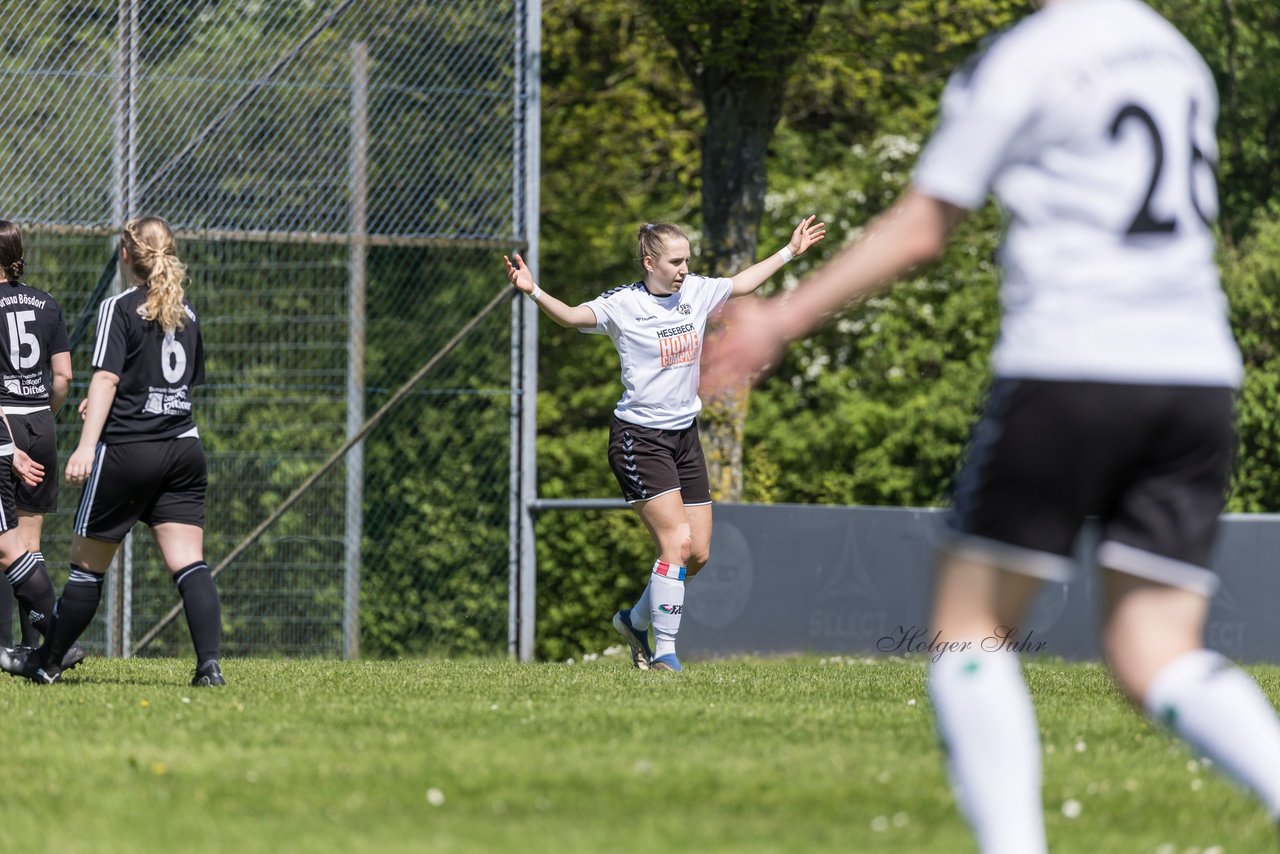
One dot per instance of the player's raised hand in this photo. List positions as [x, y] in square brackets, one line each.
[746, 342]
[28, 470]
[806, 234]
[519, 276]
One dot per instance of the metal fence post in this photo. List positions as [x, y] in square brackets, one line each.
[355, 348]
[124, 185]
[532, 106]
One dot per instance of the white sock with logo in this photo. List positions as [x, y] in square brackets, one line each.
[640, 610]
[1216, 708]
[666, 602]
[988, 730]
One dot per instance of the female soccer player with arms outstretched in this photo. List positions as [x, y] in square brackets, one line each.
[657, 326]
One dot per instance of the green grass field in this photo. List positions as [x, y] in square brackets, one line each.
[800, 754]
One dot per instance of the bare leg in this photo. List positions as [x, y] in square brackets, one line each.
[669, 525]
[93, 555]
[1152, 637]
[31, 526]
[971, 600]
[699, 516]
[1145, 626]
[180, 545]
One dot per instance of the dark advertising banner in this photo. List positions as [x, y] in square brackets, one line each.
[791, 578]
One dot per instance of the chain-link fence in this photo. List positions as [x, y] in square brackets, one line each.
[340, 175]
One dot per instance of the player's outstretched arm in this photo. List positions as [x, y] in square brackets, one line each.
[910, 233]
[102, 393]
[806, 234]
[570, 317]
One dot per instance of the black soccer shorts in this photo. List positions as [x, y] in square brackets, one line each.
[152, 482]
[1151, 462]
[649, 462]
[34, 433]
[8, 482]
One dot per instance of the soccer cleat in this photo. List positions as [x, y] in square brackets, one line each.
[208, 675]
[45, 675]
[25, 662]
[641, 654]
[74, 656]
[13, 660]
[666, 662]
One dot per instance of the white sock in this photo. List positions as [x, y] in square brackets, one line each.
[989, 733]
[1217, 709]
[666, 602]
[640, 610]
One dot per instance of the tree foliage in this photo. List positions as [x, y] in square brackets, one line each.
[1241, 42]
[1251, 276]
[738, 55]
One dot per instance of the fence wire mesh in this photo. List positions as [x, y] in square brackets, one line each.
[289, 173]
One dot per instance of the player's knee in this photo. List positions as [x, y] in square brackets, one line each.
[673, 550]
[698, 557]
[1133, 665]
[12, 547]
[684, 544]
[1126, 679]
[685, 551]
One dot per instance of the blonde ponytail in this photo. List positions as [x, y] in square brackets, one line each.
[153, 261]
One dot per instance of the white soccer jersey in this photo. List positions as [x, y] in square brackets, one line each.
[659, 342]
[1092, 121]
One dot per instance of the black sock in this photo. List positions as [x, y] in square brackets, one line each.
[32, 589]
[74, 611]
[6, 613]
[30, 635]
[204, 613]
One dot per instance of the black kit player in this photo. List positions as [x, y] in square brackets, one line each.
[35, 372]
[139, 457]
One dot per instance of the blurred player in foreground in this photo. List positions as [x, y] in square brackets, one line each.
[1092, 122]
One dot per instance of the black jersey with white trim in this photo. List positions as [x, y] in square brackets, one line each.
[32, 331]
[156, 370]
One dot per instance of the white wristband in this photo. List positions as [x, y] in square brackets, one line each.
[535, 294]
[786, 253]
